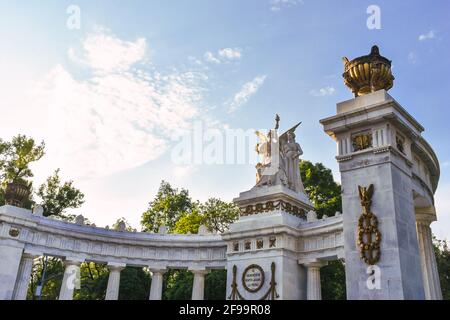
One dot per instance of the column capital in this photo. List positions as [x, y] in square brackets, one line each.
[315, 263]
[114, 266]
[425, 217]
[159, 270]
[70, 261]
[199, 271]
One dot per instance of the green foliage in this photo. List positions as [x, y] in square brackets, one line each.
[53, 279]
[93, 281]
[442, 252]
[134, 284]
[178, 285]
[322, 190]
[215, 214]
[16, 157]
[167, 207]
[57, 197]
[215, 285]
[189, 222]
[332, 280]
[128, 227]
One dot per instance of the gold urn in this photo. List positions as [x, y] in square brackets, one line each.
[368, 73]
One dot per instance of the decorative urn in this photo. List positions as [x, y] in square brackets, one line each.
[16, 193]
[368, 73]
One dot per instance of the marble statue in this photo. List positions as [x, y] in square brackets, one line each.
[280, 159]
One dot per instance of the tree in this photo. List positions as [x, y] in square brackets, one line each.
[189, 222]
[57, 197]
[167, 207]
[17, 156]
[217, 214]
[442, 252]
[321, 188]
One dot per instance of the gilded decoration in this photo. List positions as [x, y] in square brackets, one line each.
[368, 73]
[273, 205]
[369, 237]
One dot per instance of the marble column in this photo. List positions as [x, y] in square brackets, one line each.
[112, 291]
[313, 287]
[430, 273]
[157, 283]
[71, 280]
[23, 277]
[198, 288]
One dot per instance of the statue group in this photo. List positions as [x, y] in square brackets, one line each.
[280, 159]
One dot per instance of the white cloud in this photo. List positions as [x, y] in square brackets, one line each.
[325, 91]
[103, 52]
[427, 36]
[230, 53]
[223, 55]
[247, 91]
[277, 5]
[180, 172]
[446, 164]
[209, 57]
[412, 57]
[116, 118]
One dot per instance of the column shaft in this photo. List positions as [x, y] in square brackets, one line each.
[198, 287]
[112, 291]
[70, 279]
[314, 291]
[157, 284]
[428, 262]
[23, 277]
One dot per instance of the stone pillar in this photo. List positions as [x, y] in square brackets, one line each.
[9, 267]
[430, 273]
[112, 291]
[157, 284]
[313, 288]
[70, 280]
[23, 277]
[198, 288]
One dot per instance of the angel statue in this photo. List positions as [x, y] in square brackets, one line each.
[271, 170]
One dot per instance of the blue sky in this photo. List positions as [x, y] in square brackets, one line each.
[108, 97]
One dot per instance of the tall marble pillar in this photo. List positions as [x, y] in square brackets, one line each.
[71, 279]
[157, 283]
[313, 290]
[23, 277]
[112, 291]
[430, 273]
[198, 288]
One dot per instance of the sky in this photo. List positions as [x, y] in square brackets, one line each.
[116, 89]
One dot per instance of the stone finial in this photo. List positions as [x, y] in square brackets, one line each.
[38, 210]
[107, 228]
[93, 225]
[189, 232]
[121, 226]
[79, 220]
[324, 217]
[338, 213]
[311, 216]
[202, 229]
[162, 229]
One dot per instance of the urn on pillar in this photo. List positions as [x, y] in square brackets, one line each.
[384, 161]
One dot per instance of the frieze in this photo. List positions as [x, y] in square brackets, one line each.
[273, 205]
